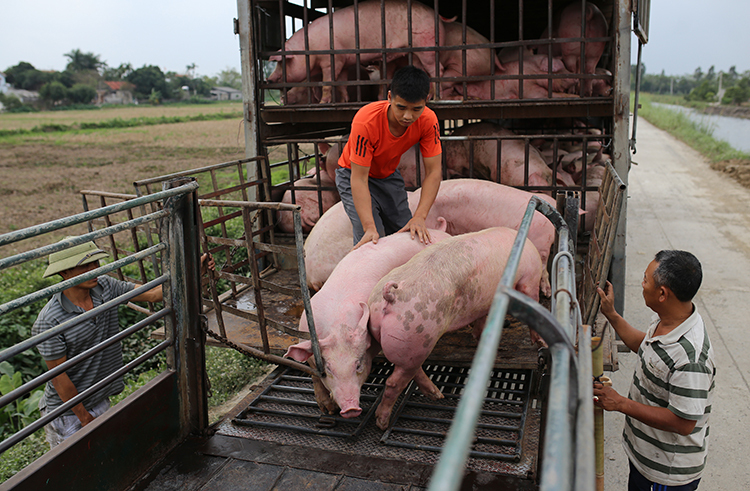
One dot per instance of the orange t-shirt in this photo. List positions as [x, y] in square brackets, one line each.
[371, 144]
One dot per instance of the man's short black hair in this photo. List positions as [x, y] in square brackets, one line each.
[680, 271]
[410, 83]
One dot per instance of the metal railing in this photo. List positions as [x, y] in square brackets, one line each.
[163, 249]
[568, 454]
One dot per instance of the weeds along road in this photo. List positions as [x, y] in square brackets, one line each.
[676, 201]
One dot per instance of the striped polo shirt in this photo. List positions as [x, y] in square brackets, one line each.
[675, 371]
[81, 337]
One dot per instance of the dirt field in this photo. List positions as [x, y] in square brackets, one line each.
[41, 175]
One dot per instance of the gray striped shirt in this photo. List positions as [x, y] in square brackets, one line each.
[81, 337]
[675, 371]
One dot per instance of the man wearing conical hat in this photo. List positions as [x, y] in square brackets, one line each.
[65, 306]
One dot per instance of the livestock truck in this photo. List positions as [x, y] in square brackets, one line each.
[556, 90]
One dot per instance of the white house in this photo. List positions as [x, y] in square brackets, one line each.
[4, 85]
[226, 94]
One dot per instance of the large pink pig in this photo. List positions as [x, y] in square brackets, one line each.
[397, 32]
[513, 156]
[367, 93]
[568, 24]
[340, 312]
[308, 200]
[330, 240]
[533, 88]
[471, 205]
[443, 288]
[479, 61]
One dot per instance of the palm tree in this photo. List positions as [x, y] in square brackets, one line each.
[80, 61]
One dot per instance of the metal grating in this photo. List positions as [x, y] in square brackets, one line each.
[421, 423]
[289, 404]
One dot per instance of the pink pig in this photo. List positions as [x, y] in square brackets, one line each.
[513, 155]
[568, 24]
[330, 240]
[308, 200]
[341, 314]
[471, 205]
[441, 289]
[479, 61]
[423, 28]
[535, 88]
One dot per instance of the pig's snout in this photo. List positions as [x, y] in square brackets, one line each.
[351, 412]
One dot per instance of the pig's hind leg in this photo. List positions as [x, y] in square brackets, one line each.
[394, 386]
[427, 386]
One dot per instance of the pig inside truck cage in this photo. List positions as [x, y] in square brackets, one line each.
[344, 52]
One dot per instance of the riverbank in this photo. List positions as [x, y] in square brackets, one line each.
[722, 157]
[742, 112]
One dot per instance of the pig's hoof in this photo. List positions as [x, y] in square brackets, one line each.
[435, 395]
[383, 420]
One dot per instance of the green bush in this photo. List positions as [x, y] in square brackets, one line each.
[24, 453]
[229, 371]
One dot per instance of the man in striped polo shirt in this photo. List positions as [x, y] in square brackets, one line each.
[667, 408]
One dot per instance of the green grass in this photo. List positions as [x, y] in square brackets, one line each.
[697, 136]
[117, 123]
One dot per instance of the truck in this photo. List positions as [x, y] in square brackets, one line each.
[514, 416]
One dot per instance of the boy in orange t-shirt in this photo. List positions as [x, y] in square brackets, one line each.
[370, 186]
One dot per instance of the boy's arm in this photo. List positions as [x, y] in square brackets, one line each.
[66, 390]
[363, 203]
[631, 336]
[430, 187]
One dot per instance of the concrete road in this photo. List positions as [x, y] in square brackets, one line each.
[676, 201]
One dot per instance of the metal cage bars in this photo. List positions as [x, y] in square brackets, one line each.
[289, 14]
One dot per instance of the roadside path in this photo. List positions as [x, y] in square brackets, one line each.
[675, 201]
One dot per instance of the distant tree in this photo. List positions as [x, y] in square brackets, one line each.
[148, 79]
[53, 92]
[731, 77]
[698, 74]
[117, 74]
[229, 77]
[66, 78]
[705, 91]
[80, 61]
[81, 94]
[25, 76]
[738, 93]
[711, 74]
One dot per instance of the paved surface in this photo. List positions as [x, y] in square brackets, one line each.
[676, 201]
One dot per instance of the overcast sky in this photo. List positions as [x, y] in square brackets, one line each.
[171, 34]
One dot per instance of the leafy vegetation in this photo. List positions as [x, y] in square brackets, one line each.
[699, 86]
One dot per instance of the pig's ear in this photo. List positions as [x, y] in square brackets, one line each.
[388, 291]
[442, 224]
[362, 333]
[365, 318]
[300, 351]
[536, 179]
[275, 58]
[499, 66]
